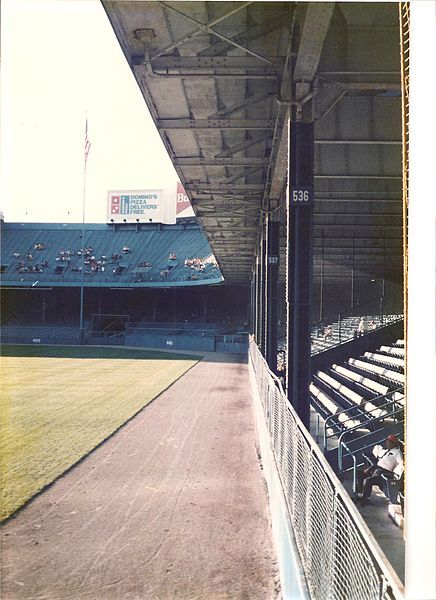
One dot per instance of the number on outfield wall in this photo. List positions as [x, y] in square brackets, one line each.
[36, 340]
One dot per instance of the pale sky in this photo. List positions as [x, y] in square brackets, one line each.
[61, 60]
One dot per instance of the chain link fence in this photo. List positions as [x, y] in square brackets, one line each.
[338, 555]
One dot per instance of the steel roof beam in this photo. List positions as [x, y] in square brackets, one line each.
[357, 226]
[220, 186]
[361, 142]
[280, 164]
[261, 74]
[368, 214]
[244, 173]
[315, 27]
[201, 161]
[193, 32]
[366, 200]
[358, 177]
[350, 238]
[220, 200]
[208, 27]
[243, 145]
[241, 39]
[369, 73]
[215, 62]
[227, 110]
[215, 123]
[383, 193]
[373, 85]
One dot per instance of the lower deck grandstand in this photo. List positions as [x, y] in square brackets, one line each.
[145, 284]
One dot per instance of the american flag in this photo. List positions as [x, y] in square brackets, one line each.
[87, 142]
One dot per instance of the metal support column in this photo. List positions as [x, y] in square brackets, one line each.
[257, 298]
[262, 296]
[252, 304]
[273, 253]
[299, 264]
[321, 282]
[352, 273]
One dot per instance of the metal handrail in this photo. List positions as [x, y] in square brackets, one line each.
[356, 310]
[345, 410]
[341, 443]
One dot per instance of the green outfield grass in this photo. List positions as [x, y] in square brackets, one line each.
[58, 403]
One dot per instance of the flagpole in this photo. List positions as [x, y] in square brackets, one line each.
[87, 147]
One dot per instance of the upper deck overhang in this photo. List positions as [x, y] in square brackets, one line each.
[216, 79]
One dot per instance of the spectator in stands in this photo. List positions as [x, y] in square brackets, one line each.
[281, 367]
[361, 328]
[126, 249]
[328, 332]
[388, 461]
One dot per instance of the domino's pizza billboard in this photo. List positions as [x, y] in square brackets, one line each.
[145, 206]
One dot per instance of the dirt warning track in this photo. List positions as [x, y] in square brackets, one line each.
[173, 506]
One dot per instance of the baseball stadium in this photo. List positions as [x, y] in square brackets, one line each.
[212, 394]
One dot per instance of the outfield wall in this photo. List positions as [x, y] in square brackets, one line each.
[46, 335]
[202, 341]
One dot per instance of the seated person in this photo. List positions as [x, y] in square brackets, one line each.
[389, 462]
[328, 332]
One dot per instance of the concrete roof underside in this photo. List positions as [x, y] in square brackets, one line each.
[215, 77]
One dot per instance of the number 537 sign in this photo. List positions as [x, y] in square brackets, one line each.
[301, 195]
